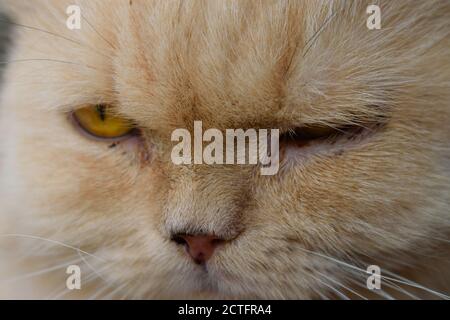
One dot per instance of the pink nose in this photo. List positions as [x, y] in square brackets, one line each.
[199, 247]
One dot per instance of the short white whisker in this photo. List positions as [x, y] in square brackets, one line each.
[342, 285]
[18, 235]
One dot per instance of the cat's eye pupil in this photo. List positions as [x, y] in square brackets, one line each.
[101, 110]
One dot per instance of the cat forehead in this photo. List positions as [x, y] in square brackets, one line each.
[211, 60]
[233, 63]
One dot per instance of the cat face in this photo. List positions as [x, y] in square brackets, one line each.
[372, 189]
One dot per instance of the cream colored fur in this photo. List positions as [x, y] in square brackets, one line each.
[231, 64]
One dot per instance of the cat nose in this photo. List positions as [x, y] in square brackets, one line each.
[199, 247]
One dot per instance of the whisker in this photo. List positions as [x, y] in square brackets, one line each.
[40, 30]
[389, 284]
[40, 272]
[110, 296]
[342, 285]
[52, 34]
[403, 281]
[107, 285]
[18, 235]
[339, 293]
[320, 294]
[91, 267]
[98, 293]
[98, 33]
[86, 281]
[413, 284]
[49, 60]
[316, 35]
[379, 292]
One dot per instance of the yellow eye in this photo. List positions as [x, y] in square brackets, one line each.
[100, 121]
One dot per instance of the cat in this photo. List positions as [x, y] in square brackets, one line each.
[364, 173]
